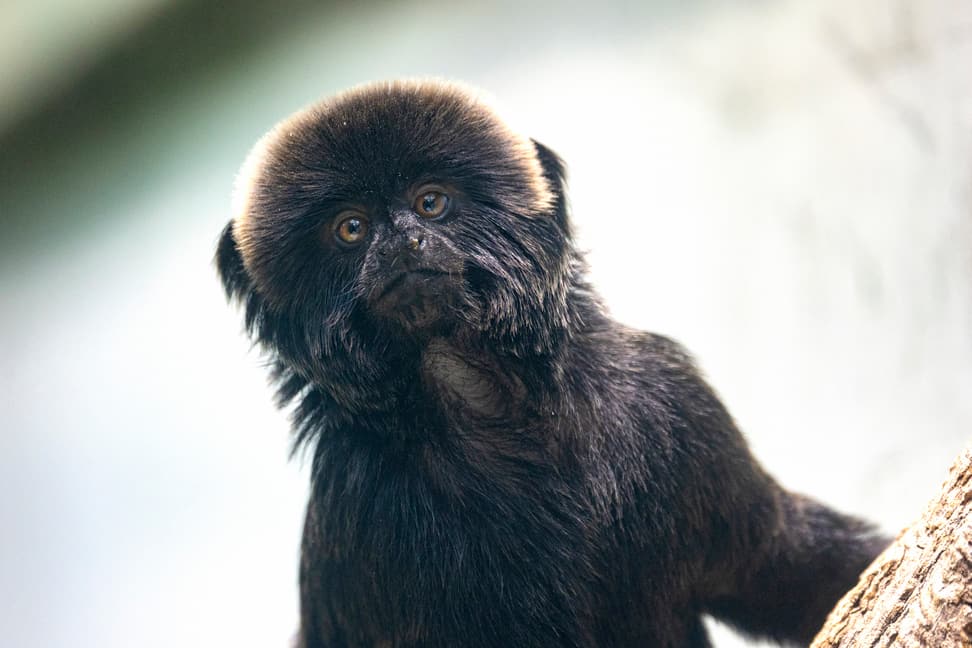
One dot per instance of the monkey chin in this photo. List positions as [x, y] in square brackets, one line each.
[421, 303]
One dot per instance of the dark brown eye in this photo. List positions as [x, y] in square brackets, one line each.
[431, 204]
[351, 229]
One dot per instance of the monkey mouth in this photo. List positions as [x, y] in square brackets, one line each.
[419, 299]
[412, 285]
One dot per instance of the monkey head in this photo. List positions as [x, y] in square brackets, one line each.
[393, 212]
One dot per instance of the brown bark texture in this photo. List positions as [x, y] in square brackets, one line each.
[919, 591]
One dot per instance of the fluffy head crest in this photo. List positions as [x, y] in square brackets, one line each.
[387, 129]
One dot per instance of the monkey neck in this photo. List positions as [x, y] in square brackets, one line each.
[474, 383]
[458, 379]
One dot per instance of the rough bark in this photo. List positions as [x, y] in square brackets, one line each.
[919, 591]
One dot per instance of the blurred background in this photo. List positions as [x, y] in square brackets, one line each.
[785, 186]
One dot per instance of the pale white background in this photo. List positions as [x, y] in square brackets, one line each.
[784, 186]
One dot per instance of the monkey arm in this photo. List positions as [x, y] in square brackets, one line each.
[774, 563]
[786, 587]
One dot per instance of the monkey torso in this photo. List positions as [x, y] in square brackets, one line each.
[522, 509]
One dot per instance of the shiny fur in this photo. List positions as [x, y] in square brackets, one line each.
[496, 461]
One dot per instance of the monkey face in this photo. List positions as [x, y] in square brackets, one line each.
[393, 212]
[412, 272]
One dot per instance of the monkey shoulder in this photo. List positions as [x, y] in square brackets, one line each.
[662, 412]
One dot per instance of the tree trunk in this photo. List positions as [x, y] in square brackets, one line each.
[919, 591]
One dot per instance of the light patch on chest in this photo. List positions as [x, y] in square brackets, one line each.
[465, 383]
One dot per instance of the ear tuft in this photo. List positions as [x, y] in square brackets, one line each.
[229, 265]
[555, 171]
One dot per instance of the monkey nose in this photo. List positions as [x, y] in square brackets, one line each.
[416, 242]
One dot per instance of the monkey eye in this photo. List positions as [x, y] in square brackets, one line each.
[431, 204]
[352, 228]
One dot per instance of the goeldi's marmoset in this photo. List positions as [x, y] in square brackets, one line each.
[495, 461]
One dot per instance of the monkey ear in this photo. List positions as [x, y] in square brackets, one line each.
[229, 265]
[555, 171]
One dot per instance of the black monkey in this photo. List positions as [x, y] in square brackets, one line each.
[496, 461]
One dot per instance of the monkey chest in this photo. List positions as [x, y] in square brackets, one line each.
[401, 563]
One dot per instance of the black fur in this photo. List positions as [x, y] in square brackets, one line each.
[496, 462]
